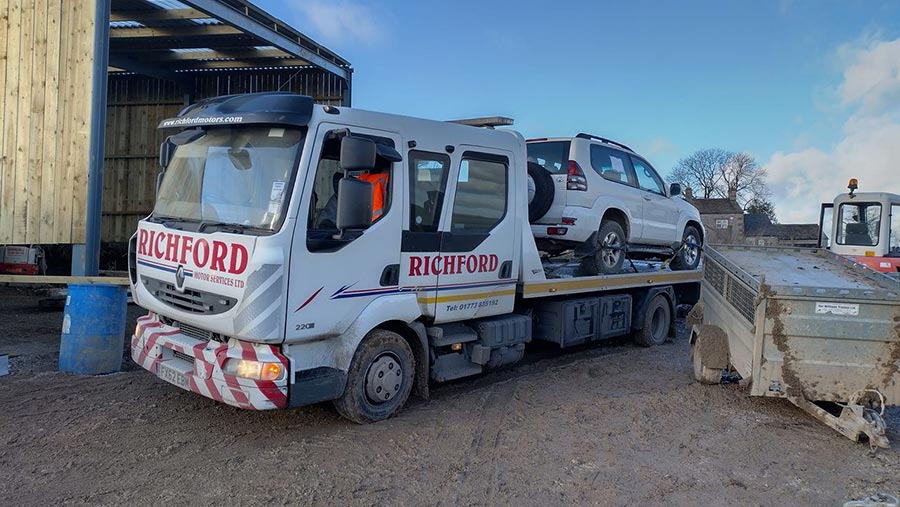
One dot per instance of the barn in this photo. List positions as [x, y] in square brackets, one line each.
[85, 84]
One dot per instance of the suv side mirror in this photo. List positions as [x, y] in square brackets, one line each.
[357, 154]
[354, 202]
[674, 189]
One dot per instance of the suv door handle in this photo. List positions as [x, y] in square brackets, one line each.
[648, 198]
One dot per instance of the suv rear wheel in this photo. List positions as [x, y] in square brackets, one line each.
[610, 254]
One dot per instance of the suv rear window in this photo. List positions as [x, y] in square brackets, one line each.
[551, 155]
[612, 165]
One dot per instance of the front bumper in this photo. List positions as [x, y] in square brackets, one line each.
[155, 343]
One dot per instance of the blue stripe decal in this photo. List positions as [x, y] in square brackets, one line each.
[394, 290]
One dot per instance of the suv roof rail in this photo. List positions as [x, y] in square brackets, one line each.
[489, 121]
[582, 135]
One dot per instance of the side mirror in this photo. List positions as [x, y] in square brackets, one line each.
[167, 148]
[354, 202]
[166, 152]
[357, 154]
[674, 189]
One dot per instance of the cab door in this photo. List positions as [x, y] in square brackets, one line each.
[479, 236]
[333, 277]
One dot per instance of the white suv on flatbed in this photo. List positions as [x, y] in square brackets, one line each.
[602, 199]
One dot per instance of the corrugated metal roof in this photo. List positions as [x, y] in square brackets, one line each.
[164, 37]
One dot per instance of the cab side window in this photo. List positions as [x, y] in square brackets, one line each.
[647, 178]
[323, 205]
[427, 183]
[481, 193]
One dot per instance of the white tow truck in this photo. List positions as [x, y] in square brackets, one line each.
[270, 285]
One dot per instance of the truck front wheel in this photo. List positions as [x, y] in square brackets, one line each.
[380, 378]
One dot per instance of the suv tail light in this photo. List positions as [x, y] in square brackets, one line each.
[576, 179]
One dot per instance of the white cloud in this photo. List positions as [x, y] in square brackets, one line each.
[870, 148]
[341, 21]
[872, 74]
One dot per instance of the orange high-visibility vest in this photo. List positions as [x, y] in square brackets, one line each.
[379, 183]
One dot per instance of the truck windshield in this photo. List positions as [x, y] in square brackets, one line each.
[238, 176]
[859, 224]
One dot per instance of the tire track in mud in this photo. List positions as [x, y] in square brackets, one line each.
[491, 412]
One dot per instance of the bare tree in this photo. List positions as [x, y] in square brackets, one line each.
[717, 173]
[702, 171]
[742, 177]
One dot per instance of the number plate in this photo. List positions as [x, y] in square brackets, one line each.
[173, 376]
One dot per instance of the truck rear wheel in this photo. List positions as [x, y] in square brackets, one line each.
[380, 378]
[657, 321]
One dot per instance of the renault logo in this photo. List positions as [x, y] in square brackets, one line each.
[179, 278]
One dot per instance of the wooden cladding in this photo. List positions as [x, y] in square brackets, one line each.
[46, 58]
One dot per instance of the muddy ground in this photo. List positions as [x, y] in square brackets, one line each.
[606, 425]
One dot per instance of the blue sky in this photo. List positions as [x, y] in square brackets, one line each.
[770, 78]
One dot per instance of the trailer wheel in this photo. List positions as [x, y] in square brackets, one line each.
[380, 378]
[709, 344]
[610, 254]
[702, 373]
[540, 191]
[657, 321]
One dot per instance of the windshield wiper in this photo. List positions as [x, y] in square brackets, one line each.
[222, 226]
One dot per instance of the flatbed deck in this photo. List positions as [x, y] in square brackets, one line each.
[563, 278]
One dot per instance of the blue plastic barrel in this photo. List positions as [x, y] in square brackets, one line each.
[93, 330]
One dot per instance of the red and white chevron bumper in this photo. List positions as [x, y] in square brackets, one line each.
[197, 365]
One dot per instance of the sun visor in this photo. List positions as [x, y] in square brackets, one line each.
[251, 108]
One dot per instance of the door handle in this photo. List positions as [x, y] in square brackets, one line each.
[648, 198]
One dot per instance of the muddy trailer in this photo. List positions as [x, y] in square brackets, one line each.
[805, 325]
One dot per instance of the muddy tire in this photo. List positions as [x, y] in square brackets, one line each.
[703, 374]
[606, 261]
[715, 343]
[540, 192]
[380, 378]
[657, 321]
[688, 258]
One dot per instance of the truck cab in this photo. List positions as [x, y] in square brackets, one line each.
[859, 225]
[300, 253]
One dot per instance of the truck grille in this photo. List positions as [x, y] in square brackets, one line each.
[182, 356]
[194, 331]
[191, 300]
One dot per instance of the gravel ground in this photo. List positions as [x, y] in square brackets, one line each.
[606, 425]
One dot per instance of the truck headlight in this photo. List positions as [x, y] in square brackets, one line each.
[254, 370]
